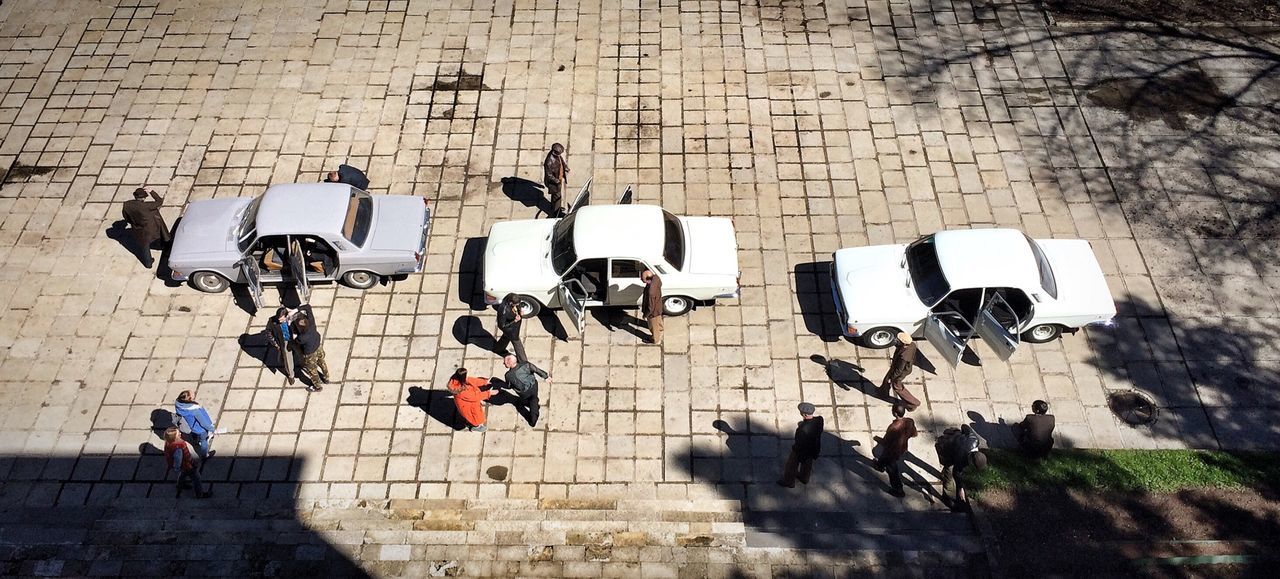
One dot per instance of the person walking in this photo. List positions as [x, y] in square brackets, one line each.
[554, 172]
[349, 175]
[652, 305]
[183, 462]
[893, 446]
[283, 340]
[904, 361]
[311, 346]
[805, 448]
[470, 394]
[958, 449]
[1035, 433]
[146, 222]
[522, 378]
[199, 427]
[509, 322]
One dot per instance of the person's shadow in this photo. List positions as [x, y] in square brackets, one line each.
[527, 193]
[849, 377]
[995, 434]
[258, 346]
[470, 331]
[854, 462]
[438, 404]
[621, 319]
[551, 323]
[911, 477]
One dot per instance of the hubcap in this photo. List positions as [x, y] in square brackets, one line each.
[525, 308]
[675, 304]
[360, 278]
[1042, 332]
[881, 337]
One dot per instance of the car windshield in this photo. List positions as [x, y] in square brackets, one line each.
[1046, 273]
[926, 273]
[247, 228]
[359, 217]
[672, 241]
[562, 254]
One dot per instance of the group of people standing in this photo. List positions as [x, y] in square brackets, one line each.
[187, 443]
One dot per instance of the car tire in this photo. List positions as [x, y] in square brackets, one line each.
[529, 307]
[1042, 333]
[361, 280]
[209, 282]
[676, 305]
[879, 338]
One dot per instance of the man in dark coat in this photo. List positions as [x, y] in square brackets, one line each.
[904, 360]
[1035, 433]
[522, 378]
[148, 225]
[509, 322]
[554, 172]
[652, 305]
[893, 446]
[311, 346]
[958, 449]
[349, 175]
[805, 449]
[283, 340]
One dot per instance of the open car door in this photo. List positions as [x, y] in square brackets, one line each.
[573, 298]
[583, 198]
[252, 278]
[998, 326]
[298, 269]
[939, 333]
[626, 197]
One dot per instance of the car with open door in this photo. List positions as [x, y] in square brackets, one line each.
[998, 285]
[594, 256]
[299, 233]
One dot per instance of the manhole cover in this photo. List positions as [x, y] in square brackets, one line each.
[1134, 408]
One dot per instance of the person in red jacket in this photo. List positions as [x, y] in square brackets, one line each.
[183, 460]
[469, 394]
[893, 446]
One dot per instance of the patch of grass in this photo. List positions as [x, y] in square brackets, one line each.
[1129, 470]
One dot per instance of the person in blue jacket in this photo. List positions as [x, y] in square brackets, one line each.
[349, 175]
[194, 421]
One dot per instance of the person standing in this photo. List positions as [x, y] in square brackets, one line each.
[522, 378]
[146, 221]
[470, 394]
[652, 305]
[283, 341]
[805, 448]
[958, 449]
[1035, 433]
[904, 361]
[311, 346]
[349, 175]
[180, 459]
[893, 446]
[200, 428]
[509, 322]
[554, 172]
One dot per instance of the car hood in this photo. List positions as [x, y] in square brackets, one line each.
[206, 227]
[515, 256]
[398, 223]
[712, 246]
[873, 286]
[1082, 288]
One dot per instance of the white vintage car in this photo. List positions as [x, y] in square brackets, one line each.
[997, 284]
[595, 254]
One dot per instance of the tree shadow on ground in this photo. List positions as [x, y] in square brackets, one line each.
[817, 306]
[471, 273]
[89, 514]
[438, 404]
[527, 193]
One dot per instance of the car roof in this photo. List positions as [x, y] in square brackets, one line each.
[296, 208]
[618, 231]
[972, 258]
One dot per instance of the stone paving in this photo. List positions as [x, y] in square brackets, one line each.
[814, 125]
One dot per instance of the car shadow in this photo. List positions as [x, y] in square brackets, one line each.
[850, 376]
[620, 319]
[817, 307]
[551, 323]
[527, 193]
[471, 273]
[470, 331]
[924, 364]
[437, 404]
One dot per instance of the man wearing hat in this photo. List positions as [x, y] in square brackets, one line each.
[904, 360]
[805, 449]
[146, 222]
[554, 171]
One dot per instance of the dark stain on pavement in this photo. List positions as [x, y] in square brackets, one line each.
[19, 172]
[498, 473]
[464, 81]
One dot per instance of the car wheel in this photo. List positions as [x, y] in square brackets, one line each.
[209, 282]
[879, 338]
[529, 307]
[361, 280]
[1042, 333]
[676, 305]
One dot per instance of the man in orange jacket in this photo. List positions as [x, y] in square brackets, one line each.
[469, 394]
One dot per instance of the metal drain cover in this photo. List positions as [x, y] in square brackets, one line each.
[1135, 408]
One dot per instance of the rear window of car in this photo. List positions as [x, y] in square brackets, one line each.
[359, 217]
[672, 241]
[926, 273]
[1047, 280]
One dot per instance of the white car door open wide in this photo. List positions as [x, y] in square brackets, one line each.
[298, 269]
[252, 278]
[943, 339]
[574, 306]
[1003, 340]
[583, 198]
